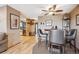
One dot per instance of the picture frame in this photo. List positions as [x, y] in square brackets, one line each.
[14, 21]
[77, 19]
[49, 22]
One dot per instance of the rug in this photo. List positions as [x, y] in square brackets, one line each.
[43, 50]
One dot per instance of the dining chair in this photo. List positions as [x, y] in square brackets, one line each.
[41, 36]
[56, 40]
[71, 36]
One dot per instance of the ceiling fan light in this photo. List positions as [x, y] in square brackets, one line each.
[50, 13]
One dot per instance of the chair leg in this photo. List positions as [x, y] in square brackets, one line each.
[65, 46]
[39, 42]
[46, 41]
[74, 46]
[70, 44]
[64, 49]
[50, 45]
[61, 49]
[50, 48]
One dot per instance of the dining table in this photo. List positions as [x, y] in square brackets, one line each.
[47, 29]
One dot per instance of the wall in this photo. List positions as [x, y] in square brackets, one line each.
[56, 21]
[13, 34]
[73, 14]
[3, 21]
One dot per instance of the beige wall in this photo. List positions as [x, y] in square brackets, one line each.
[3, 21]
[13, 35]
[73, 14]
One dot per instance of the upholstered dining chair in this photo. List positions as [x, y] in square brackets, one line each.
[56, 40]
[41, 36]
[71, 36]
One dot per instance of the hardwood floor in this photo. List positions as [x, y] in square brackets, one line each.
[25, 47]
[28, 45]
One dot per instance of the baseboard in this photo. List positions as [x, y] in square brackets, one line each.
[10, 47]
[14, 45]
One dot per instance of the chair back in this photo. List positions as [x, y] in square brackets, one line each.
[39, 32]
[57, 36]
[74, 33]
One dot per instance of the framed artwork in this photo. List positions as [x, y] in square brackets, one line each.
[77, 19]
[14, 21]
[49, 22]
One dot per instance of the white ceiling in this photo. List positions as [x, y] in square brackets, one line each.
[34, 10]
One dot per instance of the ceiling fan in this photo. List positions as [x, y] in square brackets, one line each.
[52, 9]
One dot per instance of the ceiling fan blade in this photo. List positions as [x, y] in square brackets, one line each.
[44, 10]
[50, 8]
[54, 7]
[46, 14]
[59, 11]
